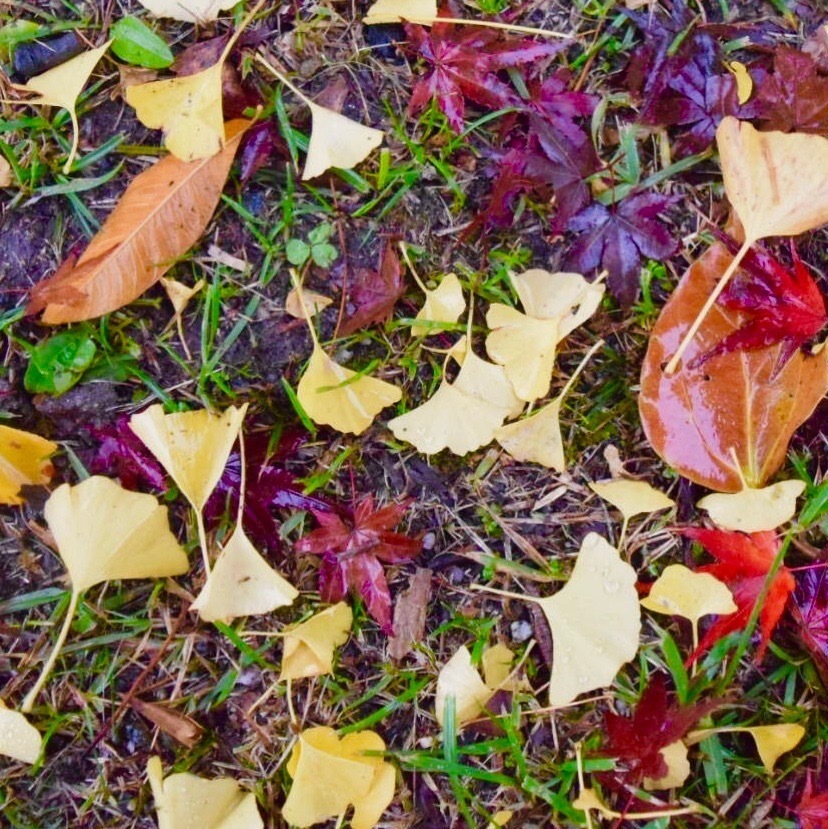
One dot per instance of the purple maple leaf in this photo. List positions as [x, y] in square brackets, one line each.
[809, 606]
[123, 454]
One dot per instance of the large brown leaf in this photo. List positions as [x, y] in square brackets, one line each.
[161, 215]
[696, 418]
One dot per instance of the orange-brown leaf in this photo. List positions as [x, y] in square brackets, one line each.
[161, 215]
[694, 416]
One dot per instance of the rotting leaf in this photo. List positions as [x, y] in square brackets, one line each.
[696, 419]
[23, 462]
[179, 726]
[410, 615]
[309, 647]
[19, 739]
[162, 213]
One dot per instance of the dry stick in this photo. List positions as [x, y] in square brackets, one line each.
[29, 699]
[711, 301]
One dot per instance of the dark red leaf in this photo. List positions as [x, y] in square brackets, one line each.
[352, 555]
[464, 65]
[657, 722]
[617, 237]
[795, 97]
[122, 454]
[784, 306]
[812, 809]
[371, 295]
[744, 562]
[810, 612]
[259, 144]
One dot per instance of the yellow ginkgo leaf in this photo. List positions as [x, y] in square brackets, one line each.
[23, 462]
[679, 591]
[102, 532]
[19, 739]
[186, 801]
[5, 173]
[754, 510]
[678, 768]
[500, 818]
[330, 774]
[772, 741]
[525, 347]
[458, 678]
[180, 294]
[395, 11]
[188, 11]
[311, 301]
[486, 381]
[309, 647]
[444, 304]
[192, 446]
[744, 80]
[537, 438]
[61, 87]
[595, 621]
[632, 498]
[567, 297]
[333, 395]
[496, 664]
[242, 583]
[337, 141]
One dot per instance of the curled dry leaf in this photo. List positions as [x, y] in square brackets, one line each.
[754, 510]
[19, 739]
[444, 304]
[330, 774]
[309, 647]
[632, 498]
[737, 401]
[179, 726]
[184, 801]
[410, 615]
[23, 462]
[162, 213]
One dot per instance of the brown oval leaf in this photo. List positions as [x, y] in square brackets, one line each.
[695, 417]
[162, 213]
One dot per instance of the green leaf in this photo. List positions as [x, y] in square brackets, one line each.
[320, 234]
[18, 31]
[59, 362]
[134, 42]
[324, 255]
[297, 251]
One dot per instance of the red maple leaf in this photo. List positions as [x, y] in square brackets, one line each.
[657, 722]
[352, 556]
[785, 306]
[810, 612]
[744, 562]
[465, 62]
[812, 809]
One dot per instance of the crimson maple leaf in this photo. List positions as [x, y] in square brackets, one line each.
[785, 306]
[810, 612]
[465, 62]
[657, 722]
[812, 809]
[352, 556]
[744, 562]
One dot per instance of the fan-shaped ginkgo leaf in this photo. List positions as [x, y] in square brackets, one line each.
[309, 647]
[104, 532]
[242, 583]
[678, 768]
[333, 395]
[330, 774]
[444, 304]
[525, 347]
[395, 11]
[632, 498]
[192, 446]
[23, 462]
[537, 438]
[313, 301]
[754, 510]
[680, 591]
[186, 801]
[19, 739]
[188, 11]
[567, 297]
[61, 87]
[483, 380]
[772, 741]
[337, 141]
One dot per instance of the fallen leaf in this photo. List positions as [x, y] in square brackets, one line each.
[772, 741]
[333, 395]
[444, 304]
[192, 446]
[372, 294]
[736, 401]
[309, 647]
[61, 87]
[312, 300]
[179, 726]
[754, 510]
[632, 498]
[812, 809]
[242, 583]
[809, 609]
[162, 213]
[744, 81]
[410, 615]
[459, 679]
[743, 565]
[679, 591]
[337, 141]
[5, 173]
[188, 11]
[19, 739]
[353, 772]
[105, 532]
[185, 801]
[482, 380]
[23, 462]
[525, 347]
[396, 11]
[678, 768]
[353, 556]
[180, 294]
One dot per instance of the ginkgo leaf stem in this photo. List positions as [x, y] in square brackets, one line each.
[404, 251]
[297, 286]
[202, 541]
[672, 365]
[505, 593]
[242, 26]
[242, 483]
[624, 525]
[488, 24]
[289, 697]
[75, 141]
[277, 74]
[29, 700]
[579, 369]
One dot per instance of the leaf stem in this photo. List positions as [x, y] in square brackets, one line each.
[202, 541]
[29, 700]
[671, 367]
[404, 252]
[277, 74]
[297, 286]
[488, 24]
[506, 593]
[578, 370]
